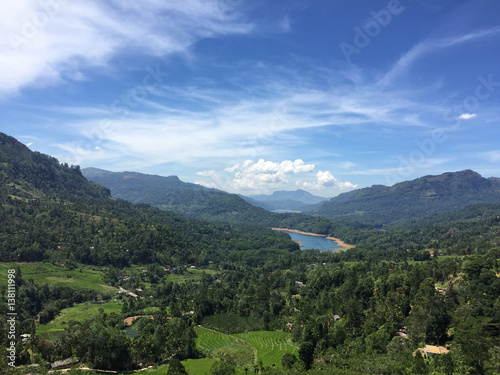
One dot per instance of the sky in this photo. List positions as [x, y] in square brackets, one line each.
[254, 96]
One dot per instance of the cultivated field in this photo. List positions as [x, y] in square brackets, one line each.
[62, 276]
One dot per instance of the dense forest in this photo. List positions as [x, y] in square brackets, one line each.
[379, 205]
[377, 308]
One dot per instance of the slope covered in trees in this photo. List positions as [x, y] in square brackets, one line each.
[379, 205]
[367, 310]
[51, 212]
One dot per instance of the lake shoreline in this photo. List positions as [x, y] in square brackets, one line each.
[337, 240]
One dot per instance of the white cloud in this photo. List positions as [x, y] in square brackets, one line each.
[467, 116]
[264, 176]
[44, 45]
[325, 179]
[429, 46]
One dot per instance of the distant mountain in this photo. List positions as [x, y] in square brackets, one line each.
[298, 200]
[378, 205]
[170, 193]
[297, 195]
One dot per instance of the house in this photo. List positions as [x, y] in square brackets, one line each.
[430, 350]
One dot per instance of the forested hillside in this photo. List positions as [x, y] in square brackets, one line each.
[169, 193]
[147, 287]
[379, 205]
[51, 212]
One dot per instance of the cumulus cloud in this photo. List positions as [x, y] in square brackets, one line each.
[467, 116]
[264, 176]
[325, 179]
[256, 175]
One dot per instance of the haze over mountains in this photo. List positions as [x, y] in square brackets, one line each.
[298, 200]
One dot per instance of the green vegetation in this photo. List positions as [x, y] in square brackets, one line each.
[379, 205]
[200, 366]
[270, 346]
[253, 303]
[78, 313]
[81, 278]
[232, 323]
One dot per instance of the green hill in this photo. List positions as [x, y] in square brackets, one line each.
[51, 212]
[379, 205]
[170, 193]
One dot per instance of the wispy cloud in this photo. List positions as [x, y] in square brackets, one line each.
[492, 156]
[52, 44]
[430, 46]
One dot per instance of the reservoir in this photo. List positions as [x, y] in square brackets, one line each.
[308, 241]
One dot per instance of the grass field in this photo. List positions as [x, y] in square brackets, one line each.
[78, 313]
[216, 344]
[62, 276]
[269, 345]
[246, 349]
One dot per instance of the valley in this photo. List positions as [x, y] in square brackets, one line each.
[217, 290]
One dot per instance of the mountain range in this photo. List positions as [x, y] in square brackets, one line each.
[424, 196]
[282, 201]
[372, 206]
[51, 212]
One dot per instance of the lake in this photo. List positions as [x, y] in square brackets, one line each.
[314, 242]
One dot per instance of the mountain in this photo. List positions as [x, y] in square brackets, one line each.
[51, 212]
[170, 193]
[298, 200]
[379, 205]
[26, 174]
[298, 195]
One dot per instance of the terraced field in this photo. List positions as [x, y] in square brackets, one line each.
[246, 349]
[269, 345]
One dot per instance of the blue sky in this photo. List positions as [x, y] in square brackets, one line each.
[257, 96]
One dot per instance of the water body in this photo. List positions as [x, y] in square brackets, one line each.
[314, 242]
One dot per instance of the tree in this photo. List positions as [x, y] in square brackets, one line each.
[288, 360]
[175, 367]
[225, 366]
[306, 354]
